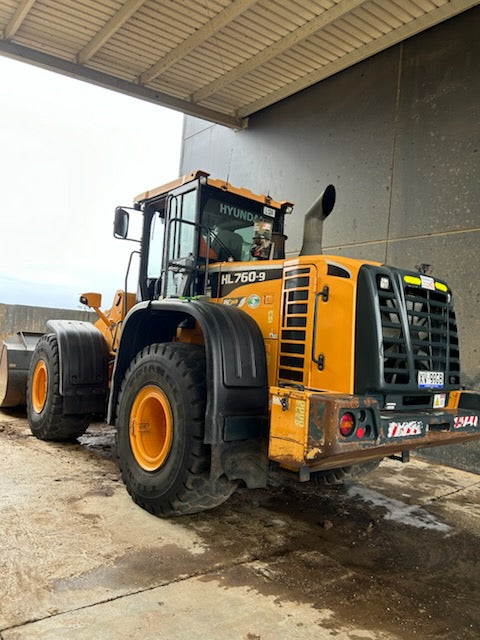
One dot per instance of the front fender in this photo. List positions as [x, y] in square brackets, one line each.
[237, 385]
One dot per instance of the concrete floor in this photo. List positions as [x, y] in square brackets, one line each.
[394, 556]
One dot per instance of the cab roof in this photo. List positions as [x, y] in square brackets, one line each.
[218, 184]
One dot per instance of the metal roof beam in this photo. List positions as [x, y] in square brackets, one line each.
[426, 21]
[232, 11]
[109, 29]
[18, 17]
[293, 38]
[80, 72]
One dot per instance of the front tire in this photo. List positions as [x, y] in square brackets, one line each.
[160, 430]
[44, 402]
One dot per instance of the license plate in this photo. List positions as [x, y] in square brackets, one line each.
[430, 379]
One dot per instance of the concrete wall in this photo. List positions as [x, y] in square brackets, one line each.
[399, 136]
[16, 317]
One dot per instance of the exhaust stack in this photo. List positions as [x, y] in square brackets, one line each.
[312, 230]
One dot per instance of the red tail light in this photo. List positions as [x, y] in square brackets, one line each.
[347, 424]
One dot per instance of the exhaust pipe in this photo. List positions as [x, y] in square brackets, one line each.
[313, 227]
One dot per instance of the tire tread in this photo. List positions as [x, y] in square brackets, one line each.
[344, 475]
[53, 425]
[196, 491]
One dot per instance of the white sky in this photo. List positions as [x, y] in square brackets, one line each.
[69, 153]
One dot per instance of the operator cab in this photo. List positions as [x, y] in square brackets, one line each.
[196, 221]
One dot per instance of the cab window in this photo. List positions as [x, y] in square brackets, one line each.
[181, 242]
[155, 246]
[234, 226]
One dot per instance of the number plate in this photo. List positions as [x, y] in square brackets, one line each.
[430, 379]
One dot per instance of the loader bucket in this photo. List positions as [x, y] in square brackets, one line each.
[15, 357]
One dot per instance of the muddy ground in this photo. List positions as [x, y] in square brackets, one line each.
[396, 555]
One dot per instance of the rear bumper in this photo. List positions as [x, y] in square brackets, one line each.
[304, 432]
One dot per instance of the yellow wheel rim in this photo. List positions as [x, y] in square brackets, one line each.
[151, 428]
[39, 386]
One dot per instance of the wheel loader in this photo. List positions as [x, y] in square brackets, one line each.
[231, 357]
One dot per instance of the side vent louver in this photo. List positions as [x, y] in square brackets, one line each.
[294, 325]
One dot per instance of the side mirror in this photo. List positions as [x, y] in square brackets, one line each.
[120, 223]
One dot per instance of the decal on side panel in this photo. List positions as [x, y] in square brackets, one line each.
[224, 282]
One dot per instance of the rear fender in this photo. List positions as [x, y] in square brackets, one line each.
[83, 354]
[237, 388]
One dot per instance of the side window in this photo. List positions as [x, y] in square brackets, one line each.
[188, 206]
[181, 242]
[155, 250]
[182, 210]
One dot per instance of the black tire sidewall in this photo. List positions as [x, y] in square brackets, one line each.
[46, 351]
[51, 423]
[161, 370]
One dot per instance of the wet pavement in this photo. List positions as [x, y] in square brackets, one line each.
[396, 555]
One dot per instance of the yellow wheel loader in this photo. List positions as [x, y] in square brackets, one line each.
[231, 356]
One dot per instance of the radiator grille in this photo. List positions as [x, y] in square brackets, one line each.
[419, 333]
[433, 330]
[395, 363]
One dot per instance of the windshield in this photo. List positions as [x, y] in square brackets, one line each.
[239, 229]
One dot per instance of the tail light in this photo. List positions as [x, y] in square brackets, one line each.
[347, 424]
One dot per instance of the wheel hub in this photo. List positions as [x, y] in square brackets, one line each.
[151, 428]
[39, 386]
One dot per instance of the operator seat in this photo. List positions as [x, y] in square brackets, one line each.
[227, 244]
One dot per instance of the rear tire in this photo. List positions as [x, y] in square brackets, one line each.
[44, 402]
[343, 475]
[160, 430]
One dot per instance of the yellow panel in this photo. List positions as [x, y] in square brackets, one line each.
[334, 339]
[288, 428]
[335, 329]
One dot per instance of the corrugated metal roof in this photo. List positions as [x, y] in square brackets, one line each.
[217, 59]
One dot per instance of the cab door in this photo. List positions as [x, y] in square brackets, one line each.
[333, 342]
[180, 271]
